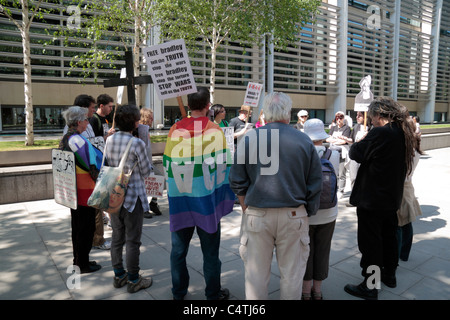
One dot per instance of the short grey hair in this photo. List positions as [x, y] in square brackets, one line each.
[277, 107]
[74, 114]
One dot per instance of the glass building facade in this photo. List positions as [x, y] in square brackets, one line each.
[404, 46]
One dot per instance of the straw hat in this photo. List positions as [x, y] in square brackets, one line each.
[315, 129]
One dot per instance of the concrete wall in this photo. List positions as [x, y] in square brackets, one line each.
[30, 183]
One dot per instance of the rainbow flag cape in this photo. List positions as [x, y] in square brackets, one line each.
[197, 162]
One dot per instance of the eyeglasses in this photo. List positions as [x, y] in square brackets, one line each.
[303, 116]
[340, 117]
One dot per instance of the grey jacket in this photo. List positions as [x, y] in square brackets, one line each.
[277, 166]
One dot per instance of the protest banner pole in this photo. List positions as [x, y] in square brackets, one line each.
[365, 120]
[181, 106]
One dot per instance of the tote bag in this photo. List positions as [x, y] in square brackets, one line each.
[111, 186]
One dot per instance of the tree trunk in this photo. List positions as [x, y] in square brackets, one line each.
[29, 113]
[212, 80]
[136, 53]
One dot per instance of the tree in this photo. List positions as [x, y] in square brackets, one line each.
[128, 20]
[30, 10]
[244, 21]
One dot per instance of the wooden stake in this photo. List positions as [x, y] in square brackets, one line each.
[365, 120]
[181, 106]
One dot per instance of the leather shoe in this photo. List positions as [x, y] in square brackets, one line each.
[90, 268]
[361, 291]
[390, 281]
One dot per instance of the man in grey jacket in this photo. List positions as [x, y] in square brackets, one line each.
[277, 177]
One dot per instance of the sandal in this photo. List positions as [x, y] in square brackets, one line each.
[306, 296]
[317, 295]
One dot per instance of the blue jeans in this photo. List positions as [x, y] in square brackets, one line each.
[211, 263]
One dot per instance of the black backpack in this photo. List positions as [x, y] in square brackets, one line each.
[328, 196]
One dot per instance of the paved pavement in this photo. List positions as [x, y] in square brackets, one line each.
[36, 251]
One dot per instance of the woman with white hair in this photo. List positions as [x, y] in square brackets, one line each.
[88, 161]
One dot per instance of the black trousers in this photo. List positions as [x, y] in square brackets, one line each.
[83, 228]
[377, 240]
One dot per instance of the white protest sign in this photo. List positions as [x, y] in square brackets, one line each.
[154, 185]
[253, 94]
[123, 74]
[229, 136]
[365, 96]
[170, 69]
[98, 142]
[64, 178]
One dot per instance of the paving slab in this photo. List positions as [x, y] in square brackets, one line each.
[36, 251]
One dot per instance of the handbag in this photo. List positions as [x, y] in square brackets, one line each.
[111, 185]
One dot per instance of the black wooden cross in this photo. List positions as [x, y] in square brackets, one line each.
[130, 81]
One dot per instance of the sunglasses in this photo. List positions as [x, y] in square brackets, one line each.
[340, 117]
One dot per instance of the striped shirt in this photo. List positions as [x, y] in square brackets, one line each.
[115, 147]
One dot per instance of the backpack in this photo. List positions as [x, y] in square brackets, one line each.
[328, 196]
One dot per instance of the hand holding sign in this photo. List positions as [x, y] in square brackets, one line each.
[169, 66]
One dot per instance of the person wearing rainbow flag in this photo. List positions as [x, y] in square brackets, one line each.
[197, 162]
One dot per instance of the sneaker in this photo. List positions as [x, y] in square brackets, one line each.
[142, 283]
[105, 246]
[119, 282]
[154, 207]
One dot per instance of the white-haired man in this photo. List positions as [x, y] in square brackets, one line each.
[277, 177]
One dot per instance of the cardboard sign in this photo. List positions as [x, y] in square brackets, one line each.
[123, 74]
[229, 136]
[365, 96]
[154, 185]
[253, 94]
[64, 178]
[170, 69]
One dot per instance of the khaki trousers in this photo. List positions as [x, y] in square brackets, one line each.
[286, 230]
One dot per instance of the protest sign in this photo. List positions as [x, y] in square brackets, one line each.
[64, 178]
[365, 96]
[229, 136]
[154, 185]
[253, 94]
[169, 66]
[98, 142]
